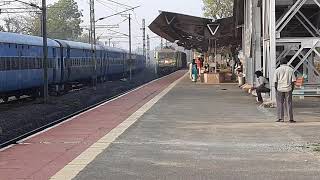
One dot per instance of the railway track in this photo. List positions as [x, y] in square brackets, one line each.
[23, 136]
[15, 140]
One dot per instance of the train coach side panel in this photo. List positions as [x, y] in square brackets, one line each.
[21, 67]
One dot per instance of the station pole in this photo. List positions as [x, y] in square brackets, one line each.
[45, 52]
[93, 44]
[148, 50]
[130, 53]
[144, 37]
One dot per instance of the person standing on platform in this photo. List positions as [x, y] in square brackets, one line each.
[194, 71]
[198, 62]
[190, 68]
[284, 80]
[262, 85]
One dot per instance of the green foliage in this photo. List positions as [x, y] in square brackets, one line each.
[218, 9]
[13, 24]
[63, 21]
[83, 38]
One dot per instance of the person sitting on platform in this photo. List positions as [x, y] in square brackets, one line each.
[262, 85]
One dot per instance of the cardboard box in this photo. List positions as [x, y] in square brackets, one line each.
[214, 78]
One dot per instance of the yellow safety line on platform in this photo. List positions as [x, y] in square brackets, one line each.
[79, 163]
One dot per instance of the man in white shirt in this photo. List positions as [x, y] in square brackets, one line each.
[262, 85]
[284, 80]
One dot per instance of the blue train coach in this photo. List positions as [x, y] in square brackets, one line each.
[21, 68]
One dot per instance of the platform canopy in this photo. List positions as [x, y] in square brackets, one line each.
[193, 32]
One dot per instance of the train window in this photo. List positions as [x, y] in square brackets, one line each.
[14, 63]
[16, 46]
[2, 64]
[39, 63]
[32, 63]
[10, 63]
[27, 63]
[22, 63]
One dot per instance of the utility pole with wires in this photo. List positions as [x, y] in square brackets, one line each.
[130, 53]
[148, 50]
[93, 44]
[144, 37]
[45, 52]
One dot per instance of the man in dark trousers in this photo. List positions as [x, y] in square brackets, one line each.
[262, 85]
[284, 80]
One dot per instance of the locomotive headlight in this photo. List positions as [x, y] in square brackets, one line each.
[166, 62]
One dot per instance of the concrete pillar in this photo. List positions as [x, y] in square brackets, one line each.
[272, 58]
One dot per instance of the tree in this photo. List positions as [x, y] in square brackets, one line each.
[63, 21]
[218, 9]
[13, 24]
[83, 38]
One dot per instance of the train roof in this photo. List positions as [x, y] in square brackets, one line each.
[15, 38]
[78, 45]
[167, 50]
[108, 48]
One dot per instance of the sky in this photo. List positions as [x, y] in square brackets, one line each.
[149, 10]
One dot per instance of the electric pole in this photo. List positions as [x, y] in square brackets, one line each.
[45, 51]
[130, 55]
[93, 43]
[144, 36]
[161, 45]
[148, 50]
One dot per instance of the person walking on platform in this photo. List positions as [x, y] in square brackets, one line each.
[262, 85]
[198, 62]
[190, 69]
[284, 80]
[194, 71]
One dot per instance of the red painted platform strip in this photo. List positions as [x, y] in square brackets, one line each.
[40, 157]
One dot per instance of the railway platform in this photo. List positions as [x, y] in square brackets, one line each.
[171, 129]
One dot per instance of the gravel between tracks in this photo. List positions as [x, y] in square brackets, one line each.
[25, 116]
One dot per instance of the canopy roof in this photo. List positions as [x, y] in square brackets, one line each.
[193, 32]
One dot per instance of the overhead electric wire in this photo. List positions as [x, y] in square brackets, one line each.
[102, 3]
[19, 12]
[120, 3]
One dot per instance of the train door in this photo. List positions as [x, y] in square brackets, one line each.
[61, 59]
[108, 64]
[68, 63]
[20, 73]
[123, 64]
[103, 65]
[53, 63]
